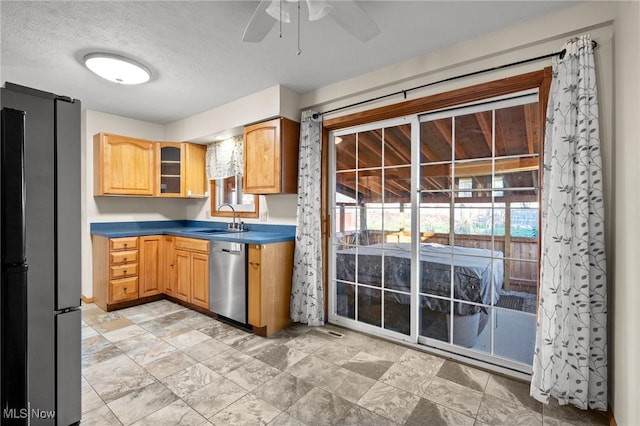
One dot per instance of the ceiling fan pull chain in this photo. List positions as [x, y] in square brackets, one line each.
[280, 19]
[299, 50]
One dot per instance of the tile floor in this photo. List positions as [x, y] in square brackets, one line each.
[163, 364]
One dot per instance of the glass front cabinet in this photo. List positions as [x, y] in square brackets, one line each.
[181, 170]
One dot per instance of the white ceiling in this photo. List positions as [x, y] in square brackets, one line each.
[198, 60]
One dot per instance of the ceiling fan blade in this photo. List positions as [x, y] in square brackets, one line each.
[260, 23]
[350, 16]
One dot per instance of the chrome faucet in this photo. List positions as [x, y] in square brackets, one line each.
[231, 225]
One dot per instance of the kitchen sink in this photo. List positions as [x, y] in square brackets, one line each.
[216, 230]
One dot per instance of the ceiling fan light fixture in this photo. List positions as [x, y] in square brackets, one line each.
[117, 68]
[279, 10]
[318, 9]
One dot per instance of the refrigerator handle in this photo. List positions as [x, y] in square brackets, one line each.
[12, 188]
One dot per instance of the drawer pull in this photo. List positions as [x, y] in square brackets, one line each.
[255, 264]
[125, 272]
[125, 259]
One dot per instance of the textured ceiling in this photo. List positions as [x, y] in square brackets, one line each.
[198, 60]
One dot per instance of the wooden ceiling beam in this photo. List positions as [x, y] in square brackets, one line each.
[483, 168]
[395, 147]
[487, 129]
[446, 134]
[365, 141]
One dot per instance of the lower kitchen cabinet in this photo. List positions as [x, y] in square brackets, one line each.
[115, 270]
[183, 275]
[150, 273]
[133, 270]
[269, 278]
[192, 271]
[168, 264]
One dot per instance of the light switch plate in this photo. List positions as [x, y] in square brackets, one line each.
[263, 215]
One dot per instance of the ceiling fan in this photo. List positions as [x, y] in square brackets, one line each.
[347, 13]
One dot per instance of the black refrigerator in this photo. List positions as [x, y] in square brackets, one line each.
[40, 257]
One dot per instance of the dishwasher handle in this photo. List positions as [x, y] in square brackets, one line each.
[231, 251]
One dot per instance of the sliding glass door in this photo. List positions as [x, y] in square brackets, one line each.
[435, 229]
[479, 217]
[372, 224]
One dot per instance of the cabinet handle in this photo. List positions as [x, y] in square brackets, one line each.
[125, 272]
[125, 245]
[255, 264]
[125, 259]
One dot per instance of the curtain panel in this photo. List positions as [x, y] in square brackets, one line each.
[307, 293]
[224, 158]
[570, 358]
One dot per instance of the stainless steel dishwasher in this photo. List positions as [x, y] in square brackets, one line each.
[227, 280]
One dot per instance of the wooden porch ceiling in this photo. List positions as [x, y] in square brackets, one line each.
[464, 144]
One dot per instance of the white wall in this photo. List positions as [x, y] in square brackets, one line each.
[230, 118]
[625, 339]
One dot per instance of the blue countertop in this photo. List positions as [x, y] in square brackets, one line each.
[256, 233]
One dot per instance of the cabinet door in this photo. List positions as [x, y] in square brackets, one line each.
[123, 165]
[262, 158]
[170, 169]
[195, 175]
[150, 270]
[183, 275]
[168, 265]
[254, 279]
[200, 279]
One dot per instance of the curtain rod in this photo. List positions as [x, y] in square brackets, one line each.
[404, 92]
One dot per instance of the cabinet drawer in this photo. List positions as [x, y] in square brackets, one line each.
[124, 243]
[121, 271]
[192, 244]
[123, 289]
[129, 256]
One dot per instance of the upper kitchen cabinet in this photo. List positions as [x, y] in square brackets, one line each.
[123, 165]
[181, 170]
[271, 157]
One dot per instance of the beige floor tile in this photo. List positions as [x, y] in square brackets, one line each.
[347, 384]
[387, 401]
[214, 397]
[141, 402]
[169, 364]
[283, 390]
[190, 379]
[319, 407]
[187, 339]
[101, 416]
[311, 369]
[454, 396]
[248, 410]
[252, 374]
[178, 413]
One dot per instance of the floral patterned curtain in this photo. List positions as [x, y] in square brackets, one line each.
[224, 158]
[307, 294]
[570, 359]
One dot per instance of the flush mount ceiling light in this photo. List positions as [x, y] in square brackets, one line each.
[117, 68]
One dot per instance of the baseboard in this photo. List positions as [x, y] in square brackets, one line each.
[86, 299]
